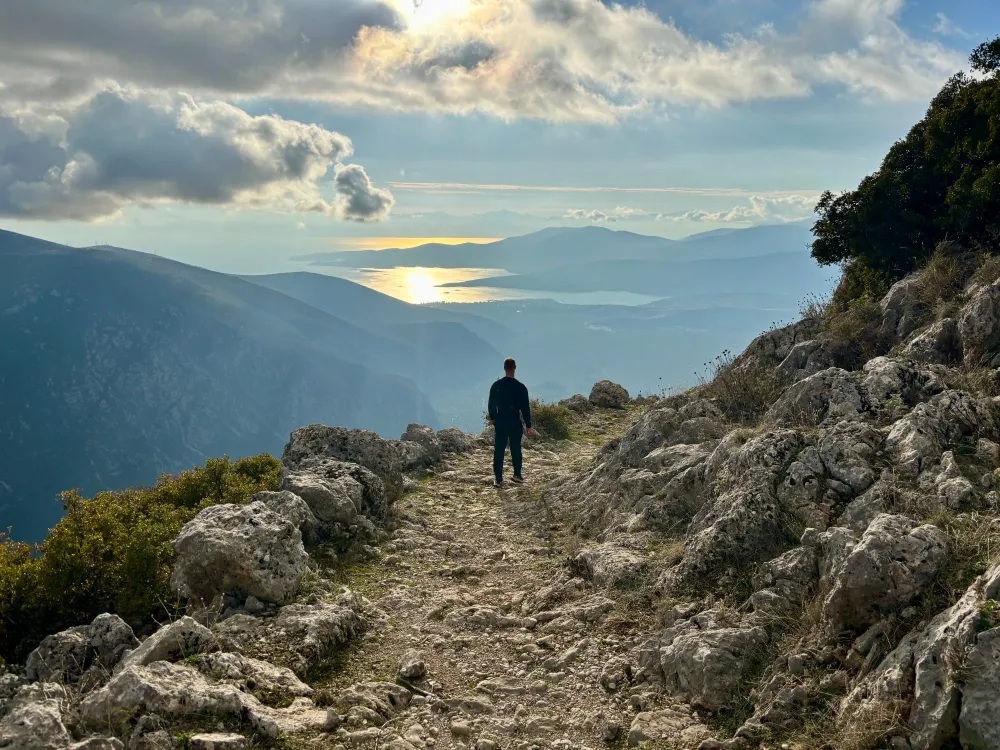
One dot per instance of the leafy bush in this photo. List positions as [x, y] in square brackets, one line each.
[743, 393]
[112, 553]
[941, 181]
[551, 420]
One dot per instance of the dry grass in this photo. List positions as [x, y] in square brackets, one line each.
[854, 332]
[743, 393]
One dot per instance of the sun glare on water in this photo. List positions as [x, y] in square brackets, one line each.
[421, 287]
[424, 13]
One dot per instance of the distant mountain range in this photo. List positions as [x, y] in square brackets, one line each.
[119, 365]
[563, 247]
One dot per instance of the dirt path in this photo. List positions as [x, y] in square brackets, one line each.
[474, 584]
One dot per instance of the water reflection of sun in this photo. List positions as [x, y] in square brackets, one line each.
[421, 287]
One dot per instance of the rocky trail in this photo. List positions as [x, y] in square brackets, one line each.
[501, 645]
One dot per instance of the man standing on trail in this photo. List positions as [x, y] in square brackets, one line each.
[508, 403]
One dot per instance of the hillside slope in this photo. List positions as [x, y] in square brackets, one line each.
[119, 365]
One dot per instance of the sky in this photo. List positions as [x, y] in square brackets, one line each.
[237, 134]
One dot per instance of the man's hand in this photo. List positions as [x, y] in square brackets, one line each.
[529, 432]
[492, 423]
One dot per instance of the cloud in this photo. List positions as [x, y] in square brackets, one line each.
[556, 60]
[487, 187]
[946, 27]
[123, 147]
[621, 213]
[761, 210]
[357, 199]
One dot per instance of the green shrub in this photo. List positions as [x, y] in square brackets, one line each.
[112, 553]
[553, 421]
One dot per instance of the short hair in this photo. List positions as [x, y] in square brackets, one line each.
[509, 364]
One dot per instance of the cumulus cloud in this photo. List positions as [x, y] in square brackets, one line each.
[620, 213]
[558, 60]
[760, 210]
[121, 148]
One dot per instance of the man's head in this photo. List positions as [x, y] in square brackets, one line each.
[509, 365]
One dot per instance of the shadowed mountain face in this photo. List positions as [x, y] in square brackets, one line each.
[120, 365]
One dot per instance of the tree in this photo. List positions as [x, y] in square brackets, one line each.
[941, 180]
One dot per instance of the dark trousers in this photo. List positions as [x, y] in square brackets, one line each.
[504, 434]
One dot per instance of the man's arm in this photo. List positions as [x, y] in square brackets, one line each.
[492, 407]
[526, 409]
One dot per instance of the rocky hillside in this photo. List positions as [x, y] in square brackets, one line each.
[801, 553]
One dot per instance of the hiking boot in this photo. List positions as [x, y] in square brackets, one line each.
[498, 483]
[517, 479]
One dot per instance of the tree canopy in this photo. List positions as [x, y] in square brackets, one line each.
[942, 181]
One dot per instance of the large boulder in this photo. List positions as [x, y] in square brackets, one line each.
[67, 656]
[979, 328]
[453, 440]
[308, 447]
[336, 503]
[424, 437]
[939, 344]
[771, 348]
[34, 719]
[826, 397]
[608, 395]
[903, 310]
[172, 642]
[703, 658]
[577, 402]
[244, 549]
[887, 568]
[928, 678]
[291, 507]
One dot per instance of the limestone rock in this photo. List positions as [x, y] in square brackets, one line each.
[769, 349]
[252, 674]
[218, 741]
[247, 548]
[940, 343]
[577, 402]
[705, 665]
[412, 665]
[979, 720]
[308, 447]
[173, 642]
[66, 656]
[98, 743]
[608, 395]
[34, 719]
[979, 327]
[903, 310]
[290, 506]
[609, 565]
[424, 437]
[828, 396]
[300, 634]
[453, 440]
[890, 565]
[923, 678]
[804, 359]
[675, 723]
[333, 502]
[62, 657]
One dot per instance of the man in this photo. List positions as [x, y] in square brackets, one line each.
[508, 404]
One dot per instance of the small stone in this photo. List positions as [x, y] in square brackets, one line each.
[486, 744]
[411, 665]
[796, 664]
[610, 731]
[253, 605]
[461, 728]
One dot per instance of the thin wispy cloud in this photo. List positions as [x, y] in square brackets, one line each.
[760, 209]
[946, 27]
[473, 188]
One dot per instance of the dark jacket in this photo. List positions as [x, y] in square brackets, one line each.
[509, 402]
